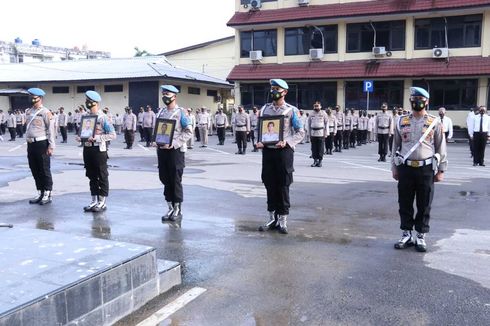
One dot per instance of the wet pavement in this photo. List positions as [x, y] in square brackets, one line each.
[337, 265]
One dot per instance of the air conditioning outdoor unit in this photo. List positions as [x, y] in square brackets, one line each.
[303, 3]
[440, 53]
[255, 4]
[316, 54]
[379, 50]
[255, 55]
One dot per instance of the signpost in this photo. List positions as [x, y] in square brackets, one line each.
[368, 87]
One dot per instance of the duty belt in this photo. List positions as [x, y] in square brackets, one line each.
[90, 144]
[221, 125]
[417, 164]
[383, 127]
[36, 139]
[239, 126]
[316, 128]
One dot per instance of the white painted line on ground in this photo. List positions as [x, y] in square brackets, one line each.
[365, 166]
[217, 150]
[172, 307]
[16, 147]
[301, 154]
[146, 149]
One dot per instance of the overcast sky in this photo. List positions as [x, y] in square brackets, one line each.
[117, 26]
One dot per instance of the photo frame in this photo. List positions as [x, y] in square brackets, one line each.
[164, 131]
[87, 126]
[271, 129]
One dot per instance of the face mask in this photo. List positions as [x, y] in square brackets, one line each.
[34, 100]
[167, 99]
[329, 111]
[441, 115]
[418, 105]
[89, 104]
[276, 95]
[317, 108]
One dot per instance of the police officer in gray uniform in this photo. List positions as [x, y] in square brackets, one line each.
[221, 121]
[40, 136]
[242, 127]
[420, 160]
[278, 159]
[95, 154]
[254, 120]
[318, 126]
[171, 158]
[340, 116]
[384, 126]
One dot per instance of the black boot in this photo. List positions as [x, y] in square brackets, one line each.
[319, 164]
[38, 198]
[177, 213]
[282, 224]
[46, 198]
[315, 162]
[270, 224]
[169, 213]
[101, 205]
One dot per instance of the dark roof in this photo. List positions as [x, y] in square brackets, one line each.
[352, 9]
[393, 68]
[198, 46]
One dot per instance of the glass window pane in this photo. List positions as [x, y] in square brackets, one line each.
[245, 44]
[353, 39]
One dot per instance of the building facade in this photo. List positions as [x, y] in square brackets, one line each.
[325, 49]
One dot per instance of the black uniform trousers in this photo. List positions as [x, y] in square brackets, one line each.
[479, 144]
[338, 140]
[147, 135]
[12, 133]
[317, 147]
[241, 140]
[390, 143]
[20, 130]
[353, 138]
[197, 133]
[95, 163]
[40, 164]
[252, 136]
[277, 176]
[346, 138]
[415, 183]
[129, 137]
[383, 144]
[329, 142]
[142, 132]
[2, 128]
[221, 134]
[63, 133]
[171, 163]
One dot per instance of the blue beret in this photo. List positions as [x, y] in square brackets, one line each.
[169, 88]
[280, 83]
[418, 91]
[36, 92]
[93, 96]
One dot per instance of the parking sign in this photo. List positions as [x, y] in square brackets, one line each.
[368, 86]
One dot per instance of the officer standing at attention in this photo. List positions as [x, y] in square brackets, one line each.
[332, 131]
[130, 122]
[354, 136]
[278, 159]
[254, 120]
[221, 121]
[420, 160]
[204, 121]
[384, 127]
[171, 158]
[63, 123]
[318, 126]
[339, 115]
[95, 154]
[242, 125]
[347, 128]
[40, 136]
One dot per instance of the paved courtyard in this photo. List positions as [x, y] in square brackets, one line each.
[336, 266]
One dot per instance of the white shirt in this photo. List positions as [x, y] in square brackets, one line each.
[447, 124]
[474, 125]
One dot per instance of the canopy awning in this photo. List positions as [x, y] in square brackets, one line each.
[13, 91]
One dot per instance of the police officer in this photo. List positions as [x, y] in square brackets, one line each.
[40, 136]
[129, 126]
[354, 136]
[148, 124]
[221, 121]
[242, 127]
[95, 154]
[384, 129]
[332, 131]
[171, 158]
[339, 115]
[277, 159]
[363, 128]
[204, 122]
[347, 128]
[62, 124]
[254, 120]
[12, 125]
[417, 165]
[318, 126]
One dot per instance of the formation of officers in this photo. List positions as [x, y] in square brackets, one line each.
[419, 150]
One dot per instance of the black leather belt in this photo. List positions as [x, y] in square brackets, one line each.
[317, 128]
[240, 126]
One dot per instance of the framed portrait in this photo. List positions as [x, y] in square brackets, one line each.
[164, 131]
[87, 126]
[271, 129]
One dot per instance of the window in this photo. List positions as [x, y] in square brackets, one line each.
[390, 92]
[462, 31]
[212, 93]
[21, 58]
[61, 89]
[301, 40]
[113, 88]
[391, 35]
[488, 97]
[259, 40]
[83, 89]
[453, 94]
[194, 90]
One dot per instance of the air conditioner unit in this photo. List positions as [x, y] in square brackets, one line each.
[255, 4]
[440, 53]
[303, 3]
[255, 55]
[379, 50]
[316, 54]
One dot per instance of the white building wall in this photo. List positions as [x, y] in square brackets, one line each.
[4, 103]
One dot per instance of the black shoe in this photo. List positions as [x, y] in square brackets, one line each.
[239, 152]
[271, 224]
[37, 199]
[405, 241]
[315, 162]
[420, 244]
[46, 198]
[319, 164]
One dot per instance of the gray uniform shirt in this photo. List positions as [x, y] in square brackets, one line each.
[40, 123]
[221, 120]
[148, 119]
[317, 123]
[254, 119]
[332, 124]
[340, 120]
[293, 129]
[182, 131]
[11, 121]
[242, 122]
[62, 120]
[129, 121]
[383, 123]
[409, 130]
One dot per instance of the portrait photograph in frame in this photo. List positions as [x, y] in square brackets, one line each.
[164, 131]
[87, 126]
[271, 129]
